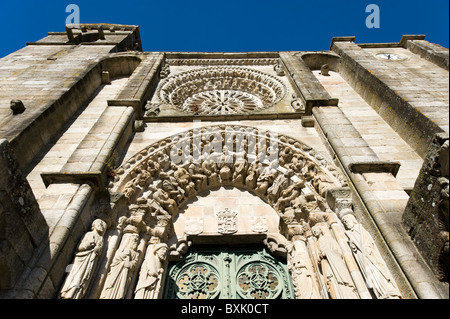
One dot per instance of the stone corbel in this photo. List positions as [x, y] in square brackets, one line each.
[339, 198]
[277, 245]
[178, 249]
[375, 167]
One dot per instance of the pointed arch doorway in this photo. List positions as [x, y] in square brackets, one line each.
[228, 259]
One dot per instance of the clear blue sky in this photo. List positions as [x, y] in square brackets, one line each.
[232, 25]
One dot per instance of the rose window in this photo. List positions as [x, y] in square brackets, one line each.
[221, 90]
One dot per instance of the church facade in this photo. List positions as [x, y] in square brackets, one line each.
[197, 175]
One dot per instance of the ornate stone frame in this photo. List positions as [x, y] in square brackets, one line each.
[149, 189]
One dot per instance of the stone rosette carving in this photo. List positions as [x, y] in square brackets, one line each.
[221, 90]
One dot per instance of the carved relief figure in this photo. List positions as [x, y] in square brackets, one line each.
[122, 268]
[252, 175]
[266, 179]
[86, 257]
[149, 284]
[163, 199]
[198, 175]
[289, 194]
[184, 179]
[240, 170]
[129, 189]
[280, 183]
[171, 186]
[303, 280]
[321, 183]
[225, 165]
[210, 167]
[372, 265]
[334, 269]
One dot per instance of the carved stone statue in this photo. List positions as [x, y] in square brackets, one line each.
[210, 167]
[322, 183]
[325, 70]
[280, 183]
[163, 199]
[164, 161]
[198, 175]
[266, 179]
[303, 280]
[129, 189]
[143, 177]
[285, 156]
[240, 170]
[309, 170]
[252, 175]
[184, 179]
[171, 186]
[151, 274]
[369, 259]
[289, 194]
[122, 268]
[334, 269]
[86, 257]
[225, 165]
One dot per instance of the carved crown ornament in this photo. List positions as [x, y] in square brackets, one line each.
[216, 90]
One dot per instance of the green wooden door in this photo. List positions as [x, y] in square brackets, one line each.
[228, 273]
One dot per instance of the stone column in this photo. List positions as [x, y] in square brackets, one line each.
[312, 249]
[303, 273]
[112, 240]
[348, 258]
[142, 248]
[123, 265]
[153, 271]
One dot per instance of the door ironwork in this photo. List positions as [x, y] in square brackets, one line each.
[228, 273]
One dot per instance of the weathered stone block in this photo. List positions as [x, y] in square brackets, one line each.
[426, 216]
[22, 226]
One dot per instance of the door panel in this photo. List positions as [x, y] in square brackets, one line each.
[228, 273]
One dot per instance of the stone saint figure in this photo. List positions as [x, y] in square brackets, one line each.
[305, 285]
[86, 257]
[369, 259]
[151, 274]
[336, 274]
[121, 269]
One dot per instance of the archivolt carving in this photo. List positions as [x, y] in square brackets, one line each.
[325, 259]
[221, 90]
[184, 62]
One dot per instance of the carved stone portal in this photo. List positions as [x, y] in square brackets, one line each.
[325, 260]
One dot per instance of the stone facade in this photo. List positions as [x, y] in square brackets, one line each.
[309, 175]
